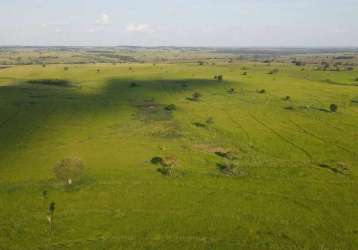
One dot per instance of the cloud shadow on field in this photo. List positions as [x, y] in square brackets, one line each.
[25, 108]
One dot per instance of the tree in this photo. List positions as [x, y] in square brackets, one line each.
[51, 211]
[333, 107]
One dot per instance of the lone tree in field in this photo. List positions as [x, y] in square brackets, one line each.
[51, 212]
[218, 77]
[333, 108]
[68, 169]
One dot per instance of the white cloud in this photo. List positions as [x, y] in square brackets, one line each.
[104, 19]
[144, 28]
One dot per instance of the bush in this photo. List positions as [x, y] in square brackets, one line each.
[66, 68]
[228, 169]
[196, 96]
[218, 78]
[274, 71]
[210, 120]
[68, 170]
[227, 155]
[231, 91]
[166, 165]
[244, 73]
[98, 71]
[333, 107]
[133, 85]
[157, 160]
[52, 82]
[171, 107]
[286, 98]
[165, 170]
[199, 124]
[261, 91]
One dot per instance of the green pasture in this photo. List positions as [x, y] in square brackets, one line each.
[296, 185]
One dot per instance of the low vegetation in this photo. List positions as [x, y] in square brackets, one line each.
[51, 82]
[173, 158]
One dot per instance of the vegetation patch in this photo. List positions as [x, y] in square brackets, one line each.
[169, 131]
[165, 165]
[335, 167]
[286, 98]
[196, 96]
[152, 111]
[51, 82]
[228, 169]
[333, 107]
[171, 107]
[133, 85]
[69, 170]
[230, 155]
[199, 124]
[273, 72]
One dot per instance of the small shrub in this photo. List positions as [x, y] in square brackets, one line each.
[43, 65]
[66, 68]
[133, 85]
[261, 91]
[210, 120]
[201, 63]
[171, 107]
[165, 170]
[228, 169]
[52, 82]
[287, 98]
[166, 165]
[244, 73]
[231, 91]
[157, 160]
[199, 125]
[333, 107]
[98, 71]
[220, 78]
[195, 96]
[274, 71]
[227, 155]
[68, 170]
[356, 80]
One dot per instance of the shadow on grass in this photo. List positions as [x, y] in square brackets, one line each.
[27, 107]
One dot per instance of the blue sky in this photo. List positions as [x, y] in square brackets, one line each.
[180, 22]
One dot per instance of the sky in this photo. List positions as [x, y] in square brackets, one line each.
[217, 23]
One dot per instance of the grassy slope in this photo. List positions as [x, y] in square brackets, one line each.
[282, 200]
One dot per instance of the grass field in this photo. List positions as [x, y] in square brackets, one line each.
[295, 184]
